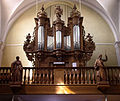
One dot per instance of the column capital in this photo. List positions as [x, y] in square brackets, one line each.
[117, 43]
[2, 44]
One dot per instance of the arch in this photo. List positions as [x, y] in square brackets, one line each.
[22, 8]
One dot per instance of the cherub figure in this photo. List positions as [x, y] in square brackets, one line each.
[28, 37]
[89, 37]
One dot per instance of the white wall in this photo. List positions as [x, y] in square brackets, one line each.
[112, 8]
[8, 8]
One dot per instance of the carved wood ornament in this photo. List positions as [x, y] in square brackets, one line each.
[59, 43]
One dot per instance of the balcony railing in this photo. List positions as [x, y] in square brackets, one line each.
[60, 75]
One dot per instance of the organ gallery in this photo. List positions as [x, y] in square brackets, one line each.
[59, 45]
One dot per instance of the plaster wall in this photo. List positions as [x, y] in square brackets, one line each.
[112, 9]
[8, 9]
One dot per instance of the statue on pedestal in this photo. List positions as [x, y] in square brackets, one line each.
[16, 69]
[99, 66]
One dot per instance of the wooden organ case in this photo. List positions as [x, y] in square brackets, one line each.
[59, 45]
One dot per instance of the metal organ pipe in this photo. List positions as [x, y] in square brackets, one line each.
[76, 36]
[41, 38]
[58, 39]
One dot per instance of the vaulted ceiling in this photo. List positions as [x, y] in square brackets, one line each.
[11, 9]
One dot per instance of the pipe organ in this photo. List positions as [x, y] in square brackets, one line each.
[59, 45]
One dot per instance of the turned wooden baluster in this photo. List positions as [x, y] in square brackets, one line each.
[39, 76]
[112, 79]
[33, 73]
[36, 71]
[93, 76]
[34, 76]
[28, 76]
[109, 77]
[65, 77]
[78, 81]
[81, 76]
[113, 70]
[3, 76]
[25, 77]
[73, 79]
[6, 76]
[89, 76]
[69, 76]
[51, 76]
[0, 76]
[47, 77]
[85, 71]
[67, 72]
[44, 76]
[76, 76]
[107, 74]
[118, 75]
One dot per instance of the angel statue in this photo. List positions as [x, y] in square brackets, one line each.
[58, 12]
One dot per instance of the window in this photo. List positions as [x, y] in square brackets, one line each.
[74, 64]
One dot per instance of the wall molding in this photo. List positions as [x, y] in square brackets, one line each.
[14, 45]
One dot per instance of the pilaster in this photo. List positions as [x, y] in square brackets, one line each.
[1, 51]
[117, 46]
[0, 17]
[119, 16]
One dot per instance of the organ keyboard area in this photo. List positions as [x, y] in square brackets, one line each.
[59, 43]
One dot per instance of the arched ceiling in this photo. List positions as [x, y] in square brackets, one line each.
[12, 9]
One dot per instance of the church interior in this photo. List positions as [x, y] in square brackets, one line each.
[60, 50]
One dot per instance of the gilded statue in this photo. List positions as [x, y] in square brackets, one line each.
[99, 66]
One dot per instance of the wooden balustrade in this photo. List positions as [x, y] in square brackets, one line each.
[83, 75]
[72, 76]
[38, 76]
